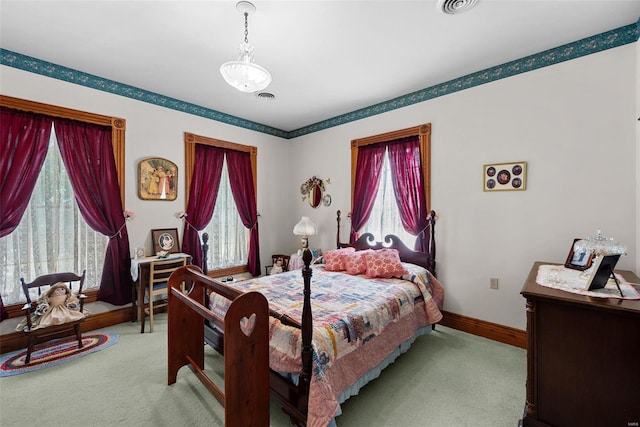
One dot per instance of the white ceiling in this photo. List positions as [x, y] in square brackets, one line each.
[327, 58]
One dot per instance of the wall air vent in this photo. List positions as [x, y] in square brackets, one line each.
[452, 7]
[266, 96]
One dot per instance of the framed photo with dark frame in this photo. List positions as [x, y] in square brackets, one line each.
[165, 239]
[603, 271]
[578, 260]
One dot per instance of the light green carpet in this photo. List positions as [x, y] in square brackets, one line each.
[448, 378]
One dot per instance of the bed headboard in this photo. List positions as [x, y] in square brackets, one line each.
[368, 241]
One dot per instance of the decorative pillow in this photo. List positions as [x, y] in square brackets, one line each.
[356, 262]
[384, 263]
[333, 259]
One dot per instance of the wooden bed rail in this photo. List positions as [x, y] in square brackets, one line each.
[246, 329]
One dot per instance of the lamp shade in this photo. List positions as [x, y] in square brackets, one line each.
[305, 227]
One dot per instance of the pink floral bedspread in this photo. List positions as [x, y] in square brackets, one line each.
[357, 323]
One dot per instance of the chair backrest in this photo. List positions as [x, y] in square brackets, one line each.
[44, 282]
[284, 258]
[160, 270]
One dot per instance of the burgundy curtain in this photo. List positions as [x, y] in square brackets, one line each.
[406, 175]
[87, 154]
[368, 171]
[241, 182]
[24, 138]
[203, 193]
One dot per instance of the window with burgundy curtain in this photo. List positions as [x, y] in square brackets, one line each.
[100, 162]
[221, 202]
[389, 188]
[52, 235]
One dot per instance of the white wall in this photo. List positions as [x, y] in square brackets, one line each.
[572, 122]
[153, 131]
[569, 122]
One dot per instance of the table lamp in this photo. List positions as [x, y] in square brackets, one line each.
[305, 228]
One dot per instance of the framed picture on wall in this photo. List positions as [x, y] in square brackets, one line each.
[157, 179]
[165, 240]
[504, 176]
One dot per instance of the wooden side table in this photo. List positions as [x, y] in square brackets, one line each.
[583, 357]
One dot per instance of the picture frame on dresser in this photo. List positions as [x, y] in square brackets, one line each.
[602, 272]
[165, 240]
[578, 260]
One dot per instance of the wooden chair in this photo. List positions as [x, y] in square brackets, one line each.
[274, 259]
[35, 332]
[159, 272]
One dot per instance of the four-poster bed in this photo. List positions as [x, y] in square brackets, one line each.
[327, 341]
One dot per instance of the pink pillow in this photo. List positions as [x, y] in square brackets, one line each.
[384, 263]
[356, 262]
[333, 259]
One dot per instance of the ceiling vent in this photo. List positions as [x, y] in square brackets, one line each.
[266, 96]
[452, 7]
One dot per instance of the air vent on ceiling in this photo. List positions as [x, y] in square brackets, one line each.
[266, 95]
[453, 7]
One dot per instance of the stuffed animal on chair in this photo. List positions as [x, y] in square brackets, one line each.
[55, 307]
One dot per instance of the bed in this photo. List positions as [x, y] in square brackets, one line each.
[328, 340]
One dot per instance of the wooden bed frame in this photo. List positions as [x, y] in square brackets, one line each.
[368, 241]
[246, 325]
[293, 398]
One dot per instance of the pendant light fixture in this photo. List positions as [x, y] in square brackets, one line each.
[244, 74]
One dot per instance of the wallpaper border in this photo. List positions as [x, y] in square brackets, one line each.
[607, 40]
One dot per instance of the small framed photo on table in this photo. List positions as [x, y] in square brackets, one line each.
[165, 240]
[578, 260]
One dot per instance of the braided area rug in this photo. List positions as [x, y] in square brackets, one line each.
[54, 353]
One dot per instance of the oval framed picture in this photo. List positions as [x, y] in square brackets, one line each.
[165, 240]
[326, 200]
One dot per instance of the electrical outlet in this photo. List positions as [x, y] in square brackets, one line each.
[493, 283]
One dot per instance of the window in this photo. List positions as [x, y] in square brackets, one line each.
[118, 127]
[228, 237]
[385, 218]
[385, 214]
[233, 247]
[52, 235]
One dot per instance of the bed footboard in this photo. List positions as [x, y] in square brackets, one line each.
[246, 348]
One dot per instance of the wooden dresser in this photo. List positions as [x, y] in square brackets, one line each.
[583, 358]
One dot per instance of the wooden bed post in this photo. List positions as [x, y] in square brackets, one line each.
[432, 243]
[338, 213]
[205, 250]
[307, 328]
